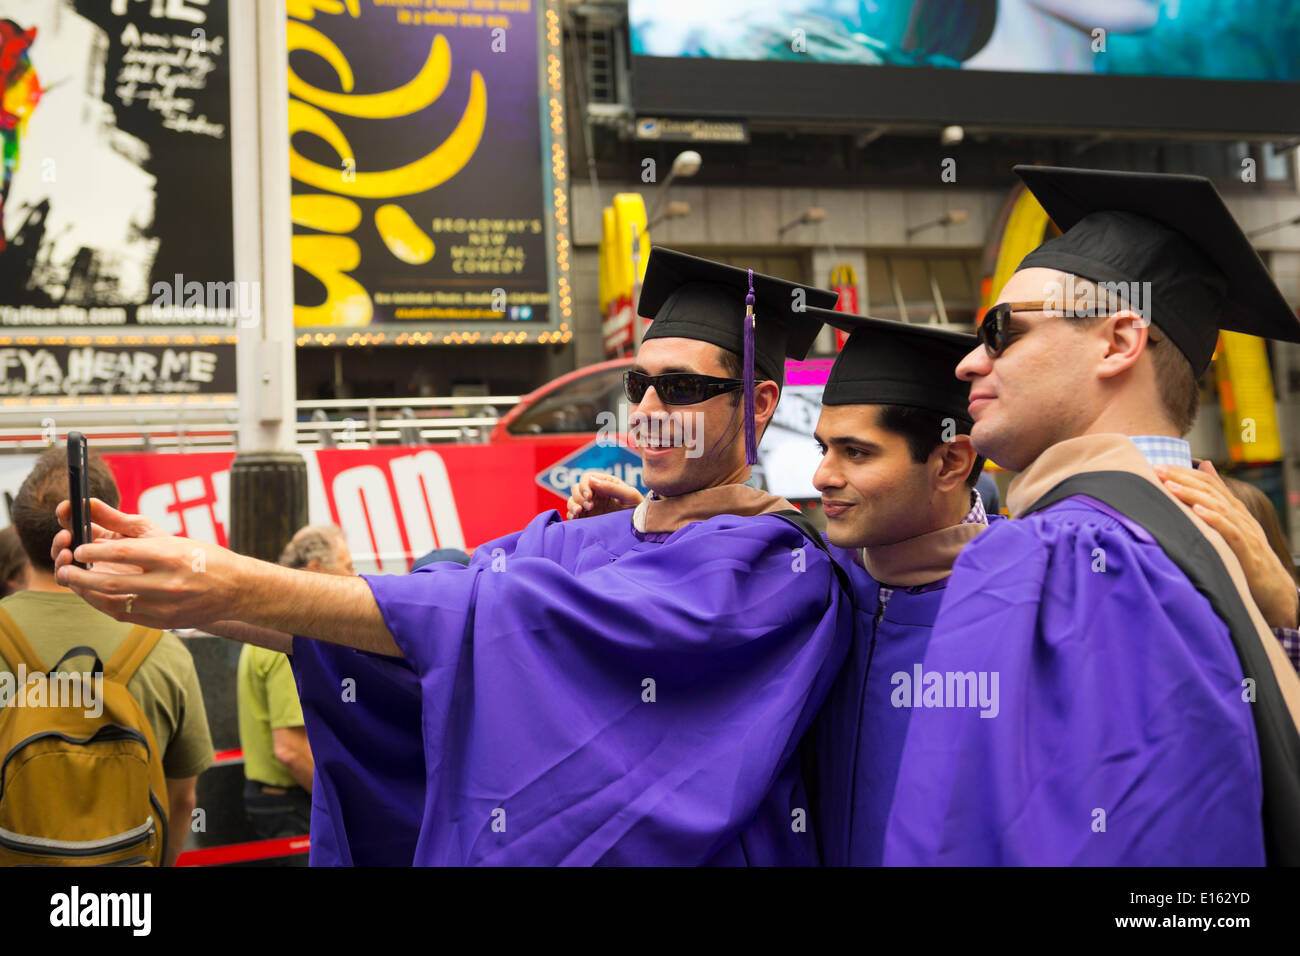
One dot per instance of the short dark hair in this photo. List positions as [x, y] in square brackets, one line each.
[924, 430]
[13, 560]
[1180, 386]
[733, 366]
[1176, 381]
[40, 494]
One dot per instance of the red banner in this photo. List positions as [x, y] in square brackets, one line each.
[393, 504]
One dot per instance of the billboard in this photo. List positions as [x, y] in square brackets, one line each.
[1214, 65]
[428, 170]
[53, 368]
[393, 504]
[116, 192]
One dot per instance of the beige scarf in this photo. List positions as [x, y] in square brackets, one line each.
[921, 560]
[659, 515]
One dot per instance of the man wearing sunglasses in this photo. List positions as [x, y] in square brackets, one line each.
[1147, 715]
[630, 689]
[897, 480]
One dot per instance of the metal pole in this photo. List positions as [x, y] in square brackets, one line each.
[660, 195]
[268, 498]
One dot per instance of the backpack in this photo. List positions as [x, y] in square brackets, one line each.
[78, 790]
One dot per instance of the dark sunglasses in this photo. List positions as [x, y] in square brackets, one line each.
[677, 388]
[994, 332]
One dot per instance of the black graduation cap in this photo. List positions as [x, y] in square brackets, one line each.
[696, 298]
[693, 298]
[895, 363]
[1172, 231]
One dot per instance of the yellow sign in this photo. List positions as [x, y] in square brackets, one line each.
[623, 223]
[1026, 226]
[1245, 383]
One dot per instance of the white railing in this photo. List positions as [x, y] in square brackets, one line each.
[214, 426]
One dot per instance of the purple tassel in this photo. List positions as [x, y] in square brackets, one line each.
[751, 432]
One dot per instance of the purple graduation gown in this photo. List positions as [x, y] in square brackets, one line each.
[594, 695]
[1121, 736]
[363, 812]
[859, 735]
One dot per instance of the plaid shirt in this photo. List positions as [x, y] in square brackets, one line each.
[1290, 639]
[976, 515]
[1163, 450]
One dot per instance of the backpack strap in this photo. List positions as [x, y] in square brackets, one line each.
[15, 646]
[80, 650]
[1279, 741]
[809, 531]
[137, 646]
[808, 756]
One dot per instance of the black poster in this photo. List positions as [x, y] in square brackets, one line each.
[117, 174]
[48, 370]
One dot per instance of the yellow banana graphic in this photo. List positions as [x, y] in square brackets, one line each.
[412, 97]
[404, 238]
[423, 174]
[328, 258]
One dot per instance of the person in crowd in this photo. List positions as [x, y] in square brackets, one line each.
[1245, 517]
[441, 554]
[13, 562]
[278, 765]
[50, 620]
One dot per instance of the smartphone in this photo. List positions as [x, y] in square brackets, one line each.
[79, 492]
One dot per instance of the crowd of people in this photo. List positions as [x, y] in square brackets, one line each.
[50, 622]
[700, 676]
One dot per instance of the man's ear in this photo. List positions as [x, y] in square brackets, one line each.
[951, 462]
[766, 395]
[1124, 336]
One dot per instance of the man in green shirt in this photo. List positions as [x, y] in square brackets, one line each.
[54, 620]
[278, 764]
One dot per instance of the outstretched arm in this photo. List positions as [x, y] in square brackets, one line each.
[169, 582]
[257, 636]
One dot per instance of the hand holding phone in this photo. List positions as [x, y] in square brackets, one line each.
[79, 492]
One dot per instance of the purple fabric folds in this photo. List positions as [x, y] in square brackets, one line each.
[859, 733]
[592, 696]
[364, 812]
[1123, 733]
